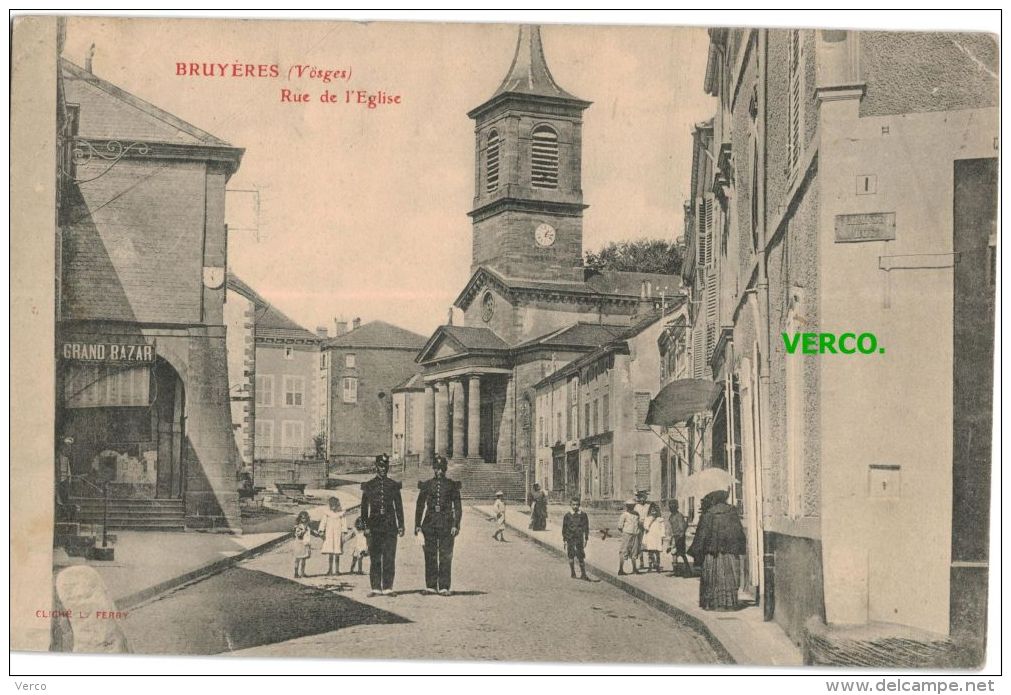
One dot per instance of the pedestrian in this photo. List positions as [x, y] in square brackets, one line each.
[382, 510]
[500, 512]
[719, 540]
[303, 538]
[628, 527]
[678, 526]
[653, 536]
[642, 509]
[359, 546]
[437, 517]
[538, 509]
[575, 536]
[332, 527]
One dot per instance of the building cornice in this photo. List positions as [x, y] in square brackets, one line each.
[515, 203]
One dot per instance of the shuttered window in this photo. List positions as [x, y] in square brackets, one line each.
[796, 72]
[106, 385]
[492, 161]
[606, 477]
[641, 409]
[712, 311]
[544, 158]
[642, 476]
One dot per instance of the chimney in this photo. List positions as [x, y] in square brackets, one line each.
[340, 327]
[321, 331]
[356, 323]
[89, 59]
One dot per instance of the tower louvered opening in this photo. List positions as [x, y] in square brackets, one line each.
[492, 160]
[544, 158]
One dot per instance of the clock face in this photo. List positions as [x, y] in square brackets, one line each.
[487, 307]
[544, 235]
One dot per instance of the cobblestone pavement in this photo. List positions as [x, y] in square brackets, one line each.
[512, 601]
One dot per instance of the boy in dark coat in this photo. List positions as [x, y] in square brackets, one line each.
[575, 535]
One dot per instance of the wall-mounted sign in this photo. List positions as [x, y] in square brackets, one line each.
[869, 226]
[86, 351]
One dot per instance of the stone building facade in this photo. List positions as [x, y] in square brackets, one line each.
[142, 379]
[852, 190]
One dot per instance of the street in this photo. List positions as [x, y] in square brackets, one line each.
[512, 601]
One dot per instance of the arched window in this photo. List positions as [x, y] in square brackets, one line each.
[491, 161]
[544, 158]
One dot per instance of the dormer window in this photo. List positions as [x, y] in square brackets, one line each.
[544, 158]
[492, 160]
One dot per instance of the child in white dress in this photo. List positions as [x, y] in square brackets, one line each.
[359, 546]
[653, 536]
[332, 528]
[303, 539]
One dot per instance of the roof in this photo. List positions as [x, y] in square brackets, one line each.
[377, 334]
[113, 113]
[612, 284]
[270, 322]
[529, 76]
[413, 383]
[476, 338]
[529, 73]
[617, 344]
[578, 335]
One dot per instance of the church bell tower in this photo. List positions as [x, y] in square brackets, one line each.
[528, 202]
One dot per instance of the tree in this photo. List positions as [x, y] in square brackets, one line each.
[639, 256]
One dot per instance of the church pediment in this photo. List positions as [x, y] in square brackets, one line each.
[452, 342]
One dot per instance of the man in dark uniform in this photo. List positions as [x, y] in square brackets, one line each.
[383, 513]
[438, 516]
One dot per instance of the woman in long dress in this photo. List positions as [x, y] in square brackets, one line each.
[332, 527]
[718, 543]
[539, 509]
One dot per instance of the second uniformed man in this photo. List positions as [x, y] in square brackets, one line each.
[438, 516]
[383, 513]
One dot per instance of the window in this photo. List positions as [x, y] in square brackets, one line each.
[573, 420]
[350, 394]
[605, 416]
[586, 423]
[292, 434]
[642, 472]
[641, 409]
[606, 476]
[796, 117]
[491, 161]
[294, 391]
[264, 433]
[265, 390]
[753, 192]
[544, 158]
[322, 360]
[349, 361]
[596, 416]
[289, 353]
[558, 432]
[540, 431]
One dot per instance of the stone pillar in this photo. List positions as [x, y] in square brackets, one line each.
[429, 434]
[473, 417]
[441, 417]
[459, 417]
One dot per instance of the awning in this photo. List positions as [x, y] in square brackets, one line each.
[679, 400]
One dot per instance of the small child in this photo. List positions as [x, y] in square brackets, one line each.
[303, 538]
[500, 512]
[628, 527]
[332, 527]
[359, 546]
[653, 536]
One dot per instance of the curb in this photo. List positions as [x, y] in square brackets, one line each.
[133, 600]
[679, 614]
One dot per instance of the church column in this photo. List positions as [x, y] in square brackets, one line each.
[459, 417]
[473, 416]
[441, 417]
[429, 405]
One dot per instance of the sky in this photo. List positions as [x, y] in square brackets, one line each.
[363, 212]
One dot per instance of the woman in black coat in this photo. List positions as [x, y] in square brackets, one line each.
[718, 543]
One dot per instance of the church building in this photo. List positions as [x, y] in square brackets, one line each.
[530, 306]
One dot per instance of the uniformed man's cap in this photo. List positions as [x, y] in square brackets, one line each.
[383, 461]
[642, 493]
[440, 463]
[500, 494]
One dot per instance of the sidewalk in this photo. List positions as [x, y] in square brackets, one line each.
[149, 563]
[742, 637]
